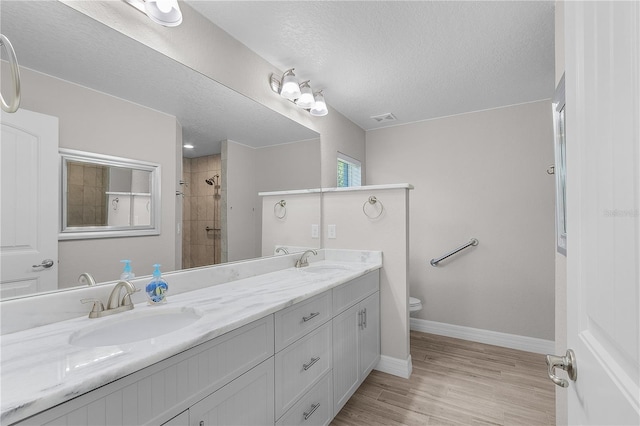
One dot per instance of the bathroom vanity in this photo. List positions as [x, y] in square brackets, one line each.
[285, 347]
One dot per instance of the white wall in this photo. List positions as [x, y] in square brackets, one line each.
[249, 171]
[389, 234]
[479, 175]
[294, 229]
[99, 123]
[239, 202]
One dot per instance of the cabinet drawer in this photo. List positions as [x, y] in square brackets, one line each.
[354, 291]
[300, 366]
[314, 408]
[297, 320]
[246, 401]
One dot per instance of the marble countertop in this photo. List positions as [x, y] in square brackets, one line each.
[40, 368]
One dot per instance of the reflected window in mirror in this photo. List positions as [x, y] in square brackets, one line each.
[105, 196]
[349, 171]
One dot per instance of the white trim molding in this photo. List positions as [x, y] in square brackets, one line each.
[513, 341]
[395, 366]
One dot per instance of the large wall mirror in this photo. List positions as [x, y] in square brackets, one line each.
[105, 196]
[114, 96]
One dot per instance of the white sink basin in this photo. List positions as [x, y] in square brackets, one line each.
[133, 326]
[325, 269]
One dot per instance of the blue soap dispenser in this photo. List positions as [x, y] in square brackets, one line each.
[157, 287]
[127, 274]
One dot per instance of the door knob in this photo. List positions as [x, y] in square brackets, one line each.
[567, 363]
[47, 263]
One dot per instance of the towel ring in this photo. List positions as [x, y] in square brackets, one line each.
[15, 76]
[372, 201]
[283, 209]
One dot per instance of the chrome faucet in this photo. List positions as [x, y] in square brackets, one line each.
[282, 249]
[123, 304]
[86, 277]
[115, 303]
[302, 262]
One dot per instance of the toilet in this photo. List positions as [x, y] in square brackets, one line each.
[415, 304]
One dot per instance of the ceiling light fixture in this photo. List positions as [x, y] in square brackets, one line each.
[163, 12]
[299, 93]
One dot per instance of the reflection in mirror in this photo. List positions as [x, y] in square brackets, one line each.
[560, 169]
[105, 196]
[104, 89]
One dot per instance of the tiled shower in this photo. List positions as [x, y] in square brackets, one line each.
[202, 227]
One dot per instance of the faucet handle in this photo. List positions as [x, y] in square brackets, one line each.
[96, 309]
[126, 299]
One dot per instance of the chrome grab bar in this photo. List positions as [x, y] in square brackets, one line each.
[472, 242]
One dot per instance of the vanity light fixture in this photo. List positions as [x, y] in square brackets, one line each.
[320, 107]
[163, 12]
[306, 99]
[300, 94]
[290, 89]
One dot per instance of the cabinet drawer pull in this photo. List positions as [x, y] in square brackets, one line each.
[364, 316]
[309, 413]
[360, 319]
[313, 361]
[310, 317]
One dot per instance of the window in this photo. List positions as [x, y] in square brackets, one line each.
[349, 170]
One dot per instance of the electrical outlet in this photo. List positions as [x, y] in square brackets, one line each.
[315, 231]
[331, 231]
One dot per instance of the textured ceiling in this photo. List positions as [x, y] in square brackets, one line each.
[415, 59]
[53, 38]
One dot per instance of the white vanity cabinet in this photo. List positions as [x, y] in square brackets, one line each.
[157, 393]
[246, 401]
[356, 337]
[297, 366]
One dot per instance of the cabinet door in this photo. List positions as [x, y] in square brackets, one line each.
[248, 400]
[369, 334]
[179, 420]
[346, 360]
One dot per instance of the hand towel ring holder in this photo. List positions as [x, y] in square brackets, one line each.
[372, 200]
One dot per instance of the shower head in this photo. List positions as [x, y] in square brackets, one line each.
[212, 180]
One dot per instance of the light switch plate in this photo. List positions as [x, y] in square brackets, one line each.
[315, 231]
[331, 231]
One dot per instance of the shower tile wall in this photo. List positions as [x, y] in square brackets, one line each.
[86, 199]
[201, 210]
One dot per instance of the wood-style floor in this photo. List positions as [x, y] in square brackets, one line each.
[456, 382]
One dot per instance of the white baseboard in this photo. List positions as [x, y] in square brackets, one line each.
[513, 341]
[395, 366]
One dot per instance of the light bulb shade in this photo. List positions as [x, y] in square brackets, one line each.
[164, 12]
[320, 107]
[306, 99]
[290, 88]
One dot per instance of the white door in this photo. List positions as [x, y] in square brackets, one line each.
[29, 203]
[602, 82]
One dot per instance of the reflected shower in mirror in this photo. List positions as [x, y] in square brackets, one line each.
[103, 88]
